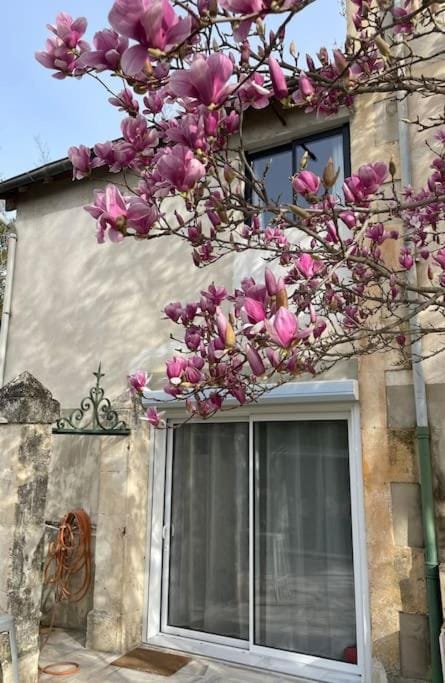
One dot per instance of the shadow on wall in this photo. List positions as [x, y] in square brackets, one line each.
[76, 302]
[73, 483]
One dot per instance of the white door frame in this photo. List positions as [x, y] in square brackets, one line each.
[229, 649]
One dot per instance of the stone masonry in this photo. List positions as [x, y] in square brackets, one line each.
[27, 411]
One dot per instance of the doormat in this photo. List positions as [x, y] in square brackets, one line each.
[152, 661]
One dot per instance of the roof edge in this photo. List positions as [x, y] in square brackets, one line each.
[43, 174]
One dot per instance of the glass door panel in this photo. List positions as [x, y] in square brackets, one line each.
[208, 586]
[303, 573]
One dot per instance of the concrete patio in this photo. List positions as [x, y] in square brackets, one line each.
[96, 666]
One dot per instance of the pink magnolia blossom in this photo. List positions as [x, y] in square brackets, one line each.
[206, 80]
[175, 370]
[141, 215]
[110, 211]
[116, 213]
[365, 182]
[243, 7]
[439, 258]
[125, 102]
[273, 284]
[154, 101]
[405, 259]
[69, 30]
[308, 266]
[252, 93]
[187, 130]
[82, 162]
[155, 417]
[58, 57]
[253, 311]
[109, 47]
[193, 337]
[278, 79]
[255, 361]
[63, 50]
[215, 293]
[153, 24]
[283, 328]
[404, 22]
[173, 311]
[179, 168]
[306, 90]
[115, 155]
[138, 381]
[136, 132]
[306, 183]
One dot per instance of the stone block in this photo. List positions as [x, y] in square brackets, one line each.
[25, 400]
[407, 514]
[104, 631]
[436, 399]
[400, 407]
[403, 465]
[414, 646]
[378, 672]
[409, 564]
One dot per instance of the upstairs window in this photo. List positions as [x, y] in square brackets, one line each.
[283, 162]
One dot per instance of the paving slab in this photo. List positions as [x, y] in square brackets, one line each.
[96, 666]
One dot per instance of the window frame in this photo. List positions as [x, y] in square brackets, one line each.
[258, 656]
[343, 130]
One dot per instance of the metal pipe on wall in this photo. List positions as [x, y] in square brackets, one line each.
[6, 313]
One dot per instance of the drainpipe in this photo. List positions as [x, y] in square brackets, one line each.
[6, 314]
[423, 438]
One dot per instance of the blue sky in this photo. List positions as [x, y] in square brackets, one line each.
[64, 113]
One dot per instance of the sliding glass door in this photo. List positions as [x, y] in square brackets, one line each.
[304, 579]
[258, 550]
[208, 577]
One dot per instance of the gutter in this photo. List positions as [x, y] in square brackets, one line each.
[434, 600]
[6, 313]
[44, 174]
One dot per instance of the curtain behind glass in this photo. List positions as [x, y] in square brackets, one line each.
[209, 554]
[304, 584]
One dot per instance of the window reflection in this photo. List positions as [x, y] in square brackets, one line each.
[279, 165]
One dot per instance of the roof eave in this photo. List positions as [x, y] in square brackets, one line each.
[9, 189]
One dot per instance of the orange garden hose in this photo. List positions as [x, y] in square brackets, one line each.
[69, 555]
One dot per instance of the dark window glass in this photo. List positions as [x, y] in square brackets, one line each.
[282, 163]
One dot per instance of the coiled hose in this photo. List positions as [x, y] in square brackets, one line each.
[69, 555]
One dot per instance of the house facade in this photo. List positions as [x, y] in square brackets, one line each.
[287, 535]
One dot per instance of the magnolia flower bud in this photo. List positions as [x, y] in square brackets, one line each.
[229, 173]
[260, 27]
[382, 47]
[392, 167]
[230, 338]
[293, 49]
[281, 298]
[299, 211]
[330, 176]
[304, 160]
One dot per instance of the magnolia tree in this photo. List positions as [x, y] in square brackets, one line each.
[338, 277]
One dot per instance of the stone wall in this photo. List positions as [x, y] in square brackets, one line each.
[73, 483]
[27, 411]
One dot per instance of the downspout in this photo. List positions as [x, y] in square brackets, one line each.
[6, 314]
[423, 437]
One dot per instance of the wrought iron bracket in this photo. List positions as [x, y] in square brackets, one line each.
[95, 415]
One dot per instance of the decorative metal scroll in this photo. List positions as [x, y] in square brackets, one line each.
[95, 415]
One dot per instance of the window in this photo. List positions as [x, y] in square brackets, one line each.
[259, 553]
[283, 162]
